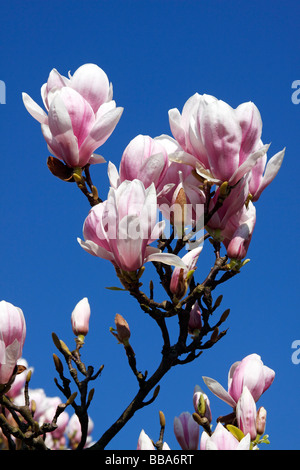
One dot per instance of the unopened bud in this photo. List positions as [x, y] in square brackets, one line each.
[162, 419]
[80, 317]
[261, 420]
[195, 320]
[215, 335]
[201, 403]
[224, 315]
[123, 330]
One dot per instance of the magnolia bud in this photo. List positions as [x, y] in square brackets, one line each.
[195, 321]
[80, 317]
[261, 420]
[123, 331]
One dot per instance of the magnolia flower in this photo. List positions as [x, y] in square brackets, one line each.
[122, 228]
[222, 439]
[81, 114]
[144, 159]
[250, 372]
[12, 338]
[219, 142]
[80, 317]
[186, 431]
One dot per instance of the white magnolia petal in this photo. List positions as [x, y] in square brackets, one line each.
[219, 391]
[244, 443]
[272, 168]
[34, 109]
[95, 250]
[113, 175]
[167, 258]
[248, 164]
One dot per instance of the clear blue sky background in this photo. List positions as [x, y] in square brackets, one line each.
[157, 54]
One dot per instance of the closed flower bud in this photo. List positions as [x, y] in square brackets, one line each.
[80, 317]
[123, 330]
[201, 403]
[261, 420]
[195, 321]
[12, 337]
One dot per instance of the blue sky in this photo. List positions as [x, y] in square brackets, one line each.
[157, 54]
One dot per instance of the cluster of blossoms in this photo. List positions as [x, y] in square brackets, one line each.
[14, 372]
[247, 381]
[212, 146]
[207, 175]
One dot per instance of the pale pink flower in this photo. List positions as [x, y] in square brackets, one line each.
[12, 338]
[250, 372]
[122, 228]
[222, 439]
[144, 159]
[80, 317]
[144, 442]
[221, 143]
[186, 431]
[81, 114]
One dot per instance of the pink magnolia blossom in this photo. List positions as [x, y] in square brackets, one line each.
[122, 228]
[250, 372]
[221, 143]
[81, 114]
[246, 413]
[222, 439]
[144, 159]
[12, 338]
[186, 431]
[80, 317]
